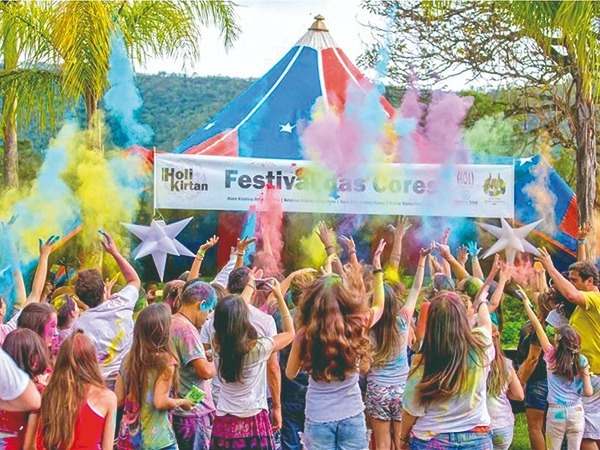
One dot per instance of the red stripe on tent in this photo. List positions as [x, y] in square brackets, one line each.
[358, 76]
[570, 221]
[229, 229]
[222, 144]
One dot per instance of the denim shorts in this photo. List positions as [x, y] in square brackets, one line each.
[502, 437]
[346, 434]
[464, 440]
[536, 394]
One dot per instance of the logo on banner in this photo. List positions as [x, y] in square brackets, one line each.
[494, 187]
[182, 180]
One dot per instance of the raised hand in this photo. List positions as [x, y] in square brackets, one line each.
[46, 247]
[443, 250]
[425, 252]
[403, 224]
[377, 254]
[209, 243]
[462, 255]
[544, 258]
[584, 230]
[108, 243]
[506, 271]
[242, 244]
[445, 236]
[349, 243]
[324, 233]
[473, 248]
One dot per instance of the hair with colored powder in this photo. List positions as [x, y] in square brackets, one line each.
[152, 350]
[76, 369]
[35, 316]
[195, 291]
[499, 376]
[28, 350]
[234, 336]
[449, 348]
[470, 286]
[385, 334]
[567, 359]
[64, 305]
[333, 341]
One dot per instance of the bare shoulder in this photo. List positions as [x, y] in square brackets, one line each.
[102, 398]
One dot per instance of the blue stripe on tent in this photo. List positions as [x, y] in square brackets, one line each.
[235, 111]
[265, 134]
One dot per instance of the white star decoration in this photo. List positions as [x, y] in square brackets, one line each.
[287, 128]
[158, 240]
[511, 240]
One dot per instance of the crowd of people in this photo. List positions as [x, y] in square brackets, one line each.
[338, 357]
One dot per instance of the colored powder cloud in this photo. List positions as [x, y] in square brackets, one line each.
[123, 98]
[269, 211]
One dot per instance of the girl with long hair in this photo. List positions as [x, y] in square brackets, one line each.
[30, 353]
[78, 411]
[445, 395]
[568, 379]
[387, 377]
[503, 385]
[242, 418]
[148, 375]
[330, 346]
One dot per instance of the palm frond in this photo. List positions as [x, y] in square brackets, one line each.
[38, 93]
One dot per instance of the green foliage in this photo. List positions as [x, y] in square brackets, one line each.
[30, 161]
[514, 319]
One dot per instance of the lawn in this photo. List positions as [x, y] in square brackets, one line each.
[520, 439]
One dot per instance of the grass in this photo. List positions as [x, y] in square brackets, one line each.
[521, 437]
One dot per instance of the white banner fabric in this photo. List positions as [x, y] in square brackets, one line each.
[234, 184]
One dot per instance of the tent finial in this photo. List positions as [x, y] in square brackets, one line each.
[318, 24]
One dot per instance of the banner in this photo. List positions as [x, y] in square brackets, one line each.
[234, 184]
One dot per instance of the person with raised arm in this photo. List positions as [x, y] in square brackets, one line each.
[109, 320]
[330, 346]
[568, 379]
[387, 376]
[403, 224]
[242, 417]
[195, 269]
[36, 287]
[445, 396]
[581, 289]
[473, 249]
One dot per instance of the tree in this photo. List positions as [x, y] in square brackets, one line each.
[547, 52]
[66, 56]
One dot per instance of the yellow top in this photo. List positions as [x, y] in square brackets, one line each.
[586, 322]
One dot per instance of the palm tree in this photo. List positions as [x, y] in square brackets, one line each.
[68, 51]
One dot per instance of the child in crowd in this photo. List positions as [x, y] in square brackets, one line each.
[387, 377]
[568, 379]
[502, 385]
[331, 345]
[78, 410]
[148, 376]
[242, 418]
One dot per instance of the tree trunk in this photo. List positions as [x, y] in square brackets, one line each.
[11, 155]
[93, 122]
[9, 110]
[585, 137]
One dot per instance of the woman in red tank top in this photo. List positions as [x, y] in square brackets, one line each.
[78, 411]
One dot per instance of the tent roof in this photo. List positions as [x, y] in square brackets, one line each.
[263, 121]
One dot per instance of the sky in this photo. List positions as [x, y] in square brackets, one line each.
[269, 29]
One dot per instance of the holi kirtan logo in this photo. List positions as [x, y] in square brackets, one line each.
[494, 187]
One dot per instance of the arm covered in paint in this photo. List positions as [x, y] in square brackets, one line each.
[378, 294]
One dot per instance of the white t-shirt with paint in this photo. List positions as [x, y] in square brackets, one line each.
[459, 413]
[110, 327]
[13, 381]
